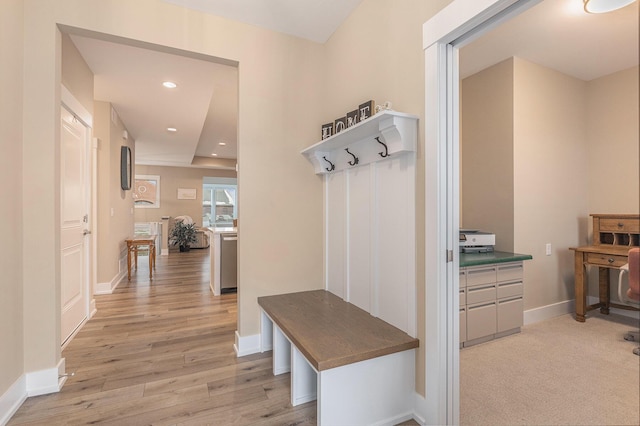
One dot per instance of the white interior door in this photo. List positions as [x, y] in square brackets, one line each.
[74, 218]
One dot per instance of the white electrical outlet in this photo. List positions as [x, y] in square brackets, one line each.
[548, 249]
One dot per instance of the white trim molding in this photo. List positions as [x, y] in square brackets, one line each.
[247, 345]
[12, 399]
[542, 313]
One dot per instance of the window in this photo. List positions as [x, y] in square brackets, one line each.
[219, 204]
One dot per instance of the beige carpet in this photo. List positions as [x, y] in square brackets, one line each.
[556, 372]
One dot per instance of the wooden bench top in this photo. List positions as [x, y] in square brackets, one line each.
[331, 332]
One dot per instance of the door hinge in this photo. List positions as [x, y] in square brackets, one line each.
[449, 256]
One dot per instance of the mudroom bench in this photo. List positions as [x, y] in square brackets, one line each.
[360, 369]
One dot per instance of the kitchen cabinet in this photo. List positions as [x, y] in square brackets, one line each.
[491, 296]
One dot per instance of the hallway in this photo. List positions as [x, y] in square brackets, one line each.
[161, 353]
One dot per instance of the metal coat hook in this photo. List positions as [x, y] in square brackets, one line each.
[331, 167]
[355, 159]
[386, 150]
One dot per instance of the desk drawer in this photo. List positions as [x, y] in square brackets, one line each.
[610, 260]
[620, 225]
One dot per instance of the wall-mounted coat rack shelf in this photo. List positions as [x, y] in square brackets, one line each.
[375, 139]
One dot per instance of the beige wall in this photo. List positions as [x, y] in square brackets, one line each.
[486, 159]
[612, 136]
[76, 75]
[377, 54]
[114, 205]
[11, 188]
[172, 178]
[550, 178]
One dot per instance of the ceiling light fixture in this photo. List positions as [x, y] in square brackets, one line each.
[169, 85]
[171, 129]
[604, 6]
[222, 143]
[214, 154]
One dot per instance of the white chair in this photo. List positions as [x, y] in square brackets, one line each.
[632, 296]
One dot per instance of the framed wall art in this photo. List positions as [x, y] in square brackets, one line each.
[146, 192]
[125, 167]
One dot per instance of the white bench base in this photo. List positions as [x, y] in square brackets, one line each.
[377, 391]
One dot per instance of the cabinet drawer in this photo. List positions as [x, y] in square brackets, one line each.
[481, 275]
[510, 314]
[463, 325]
[606, 259]
[463, 278]
[481, 321]
[510, 271]
[481, 293]
[620, 225]
[510, 289]
[463, 297]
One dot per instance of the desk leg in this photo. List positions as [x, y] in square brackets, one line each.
[129, 262]
[604, 287]
[150, 262]
[580, 287]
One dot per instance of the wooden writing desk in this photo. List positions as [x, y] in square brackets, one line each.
[133, 245]
[358, 367]
[613, 236]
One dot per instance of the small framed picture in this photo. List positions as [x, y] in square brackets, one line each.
[125, 167]
[340, 124]
[327, 130]
[366, 110]
[352, 118]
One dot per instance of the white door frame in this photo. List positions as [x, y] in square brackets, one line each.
[457, 24]
[75, 107]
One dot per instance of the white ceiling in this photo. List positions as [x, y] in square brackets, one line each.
[204, 107]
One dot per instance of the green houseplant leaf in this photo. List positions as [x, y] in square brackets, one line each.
[182, 234]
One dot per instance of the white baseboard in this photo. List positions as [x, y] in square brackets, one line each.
[92, 308]
[247, 345]
[542, 313]
[419, 405]
[34, 383]
[46, 381]
[12, 399]
[164, 252]
[107, 288]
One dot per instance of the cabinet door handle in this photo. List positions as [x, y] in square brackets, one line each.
[620, 225]
[610, 260]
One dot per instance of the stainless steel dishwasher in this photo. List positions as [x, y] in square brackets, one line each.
[228, 262]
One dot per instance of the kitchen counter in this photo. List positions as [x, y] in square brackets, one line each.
[475, 259]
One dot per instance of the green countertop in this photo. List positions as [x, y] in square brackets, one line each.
[475, 259]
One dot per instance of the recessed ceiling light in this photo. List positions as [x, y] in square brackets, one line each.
[169, 85]
[214, 155]
[222, 143]
[171, 129]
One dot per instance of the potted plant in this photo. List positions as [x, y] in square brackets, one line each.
[182, 235]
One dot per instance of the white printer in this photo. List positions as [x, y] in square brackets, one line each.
[474, 241]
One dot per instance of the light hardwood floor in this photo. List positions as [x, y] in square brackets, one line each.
[161, 353]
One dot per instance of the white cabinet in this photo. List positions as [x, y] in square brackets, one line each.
[490, 301]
